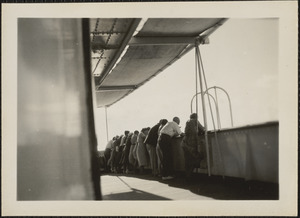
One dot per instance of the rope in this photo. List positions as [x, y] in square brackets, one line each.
[215, 133]
[200, 63]
[203, 109]
[203, 72]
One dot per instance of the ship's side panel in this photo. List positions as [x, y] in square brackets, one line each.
[249, 152]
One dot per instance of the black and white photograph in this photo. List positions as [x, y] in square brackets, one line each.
[153, 108]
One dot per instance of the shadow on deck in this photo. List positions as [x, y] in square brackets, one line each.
[212, 187]
[134, 194]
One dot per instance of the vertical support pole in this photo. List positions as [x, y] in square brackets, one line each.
[196, 61]
[196, 79]
[203, 108]
[106, 124]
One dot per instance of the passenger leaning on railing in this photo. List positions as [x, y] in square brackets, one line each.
[170, 130]
[107, 152]
[115, 149]
[190, 142]
[151, 142]
[125, 160]
[120, 156]
[132, 152]
[163, 122]
[142, 154]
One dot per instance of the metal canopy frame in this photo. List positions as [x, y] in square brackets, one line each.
[130, 37]
[125, 41]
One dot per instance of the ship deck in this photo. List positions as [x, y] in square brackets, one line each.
[200, 187]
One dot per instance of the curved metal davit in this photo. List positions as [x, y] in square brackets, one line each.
[215, 100]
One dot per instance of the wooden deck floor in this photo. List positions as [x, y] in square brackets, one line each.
[146, 187]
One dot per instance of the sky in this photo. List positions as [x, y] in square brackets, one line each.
[241, 57]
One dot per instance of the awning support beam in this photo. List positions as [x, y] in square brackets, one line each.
[138, 41]
[113, 88]
[169, 40]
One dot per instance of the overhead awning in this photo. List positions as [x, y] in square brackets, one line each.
[126, 53]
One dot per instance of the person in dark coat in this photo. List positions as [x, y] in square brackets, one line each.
[114, 151]
[141, 151]
[163, 122]
[194, 133]
[132, 151]
[126, 164]
[151, 142]
[120, 151]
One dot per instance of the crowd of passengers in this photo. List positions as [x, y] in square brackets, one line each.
[135, 151]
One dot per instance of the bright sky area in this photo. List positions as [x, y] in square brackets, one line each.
[242, 58]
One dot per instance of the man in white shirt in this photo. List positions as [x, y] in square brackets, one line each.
[170, 130]
[108, 150]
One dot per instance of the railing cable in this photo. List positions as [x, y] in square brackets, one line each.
[200, 66]
[203, 107]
